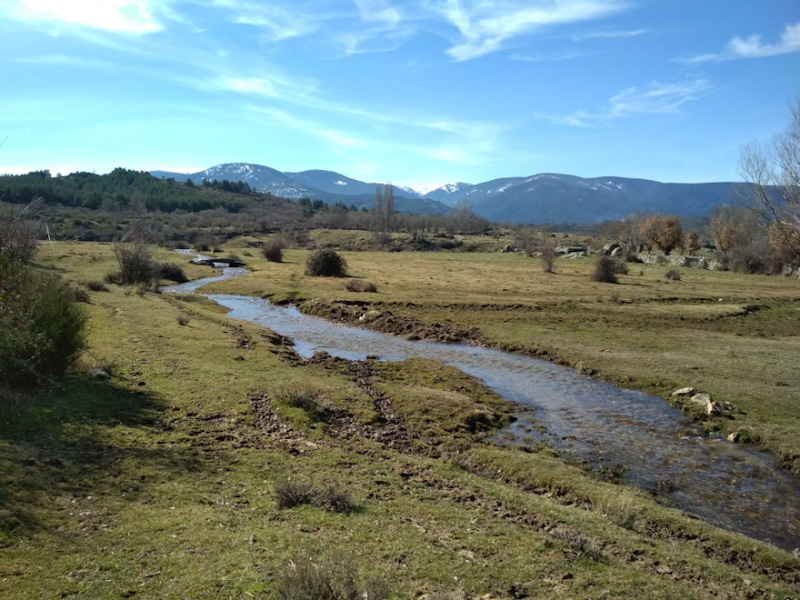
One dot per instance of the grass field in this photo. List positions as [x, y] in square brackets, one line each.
[734, 336]
[164, 481]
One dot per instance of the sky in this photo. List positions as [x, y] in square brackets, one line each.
[417, 93]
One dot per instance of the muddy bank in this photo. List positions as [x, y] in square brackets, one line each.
[384, 321]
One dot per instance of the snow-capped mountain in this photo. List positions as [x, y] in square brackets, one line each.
[328, 186]
[541, 198]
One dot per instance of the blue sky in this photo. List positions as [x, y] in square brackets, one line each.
[417, 93]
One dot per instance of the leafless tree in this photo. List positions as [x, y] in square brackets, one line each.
[772, 172]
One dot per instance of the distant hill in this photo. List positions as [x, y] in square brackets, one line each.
[542, 198]
[328, 186]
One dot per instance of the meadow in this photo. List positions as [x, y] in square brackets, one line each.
[215, 462]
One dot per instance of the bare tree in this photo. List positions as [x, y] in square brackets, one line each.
[384, 207]
[773, 174]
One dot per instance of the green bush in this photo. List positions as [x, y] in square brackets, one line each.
[41, 325]
[326, 263]
[172, 272]
[136, 264]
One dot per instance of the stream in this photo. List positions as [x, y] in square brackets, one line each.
[651, 443]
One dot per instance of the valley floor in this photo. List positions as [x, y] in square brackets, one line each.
[168, 480]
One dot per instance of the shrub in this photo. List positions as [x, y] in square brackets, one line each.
[18, 237]
[41, 325]
[136, 264]
[326, 579]
[293, 493]
[548, 256]
[172, 272]
[296, 493]
[81, 295]
[673, 274]
[273, 251]
[359, 285]
[604, 270]
[334, 499]
[620, 268]
[326, 263]
[96, 286]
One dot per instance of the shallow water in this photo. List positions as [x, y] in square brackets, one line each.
[729, 485]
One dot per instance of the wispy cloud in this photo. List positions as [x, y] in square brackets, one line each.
[550, 57]
[608, 35]
[654, 99]
[275, 22]
[753, 47]
[64, 60]
[135, 17]
[336, 137]
[489, 26]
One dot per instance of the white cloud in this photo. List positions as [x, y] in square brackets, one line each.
[608, 35]
[489, 25]
[553, 56]
[276, 22]
[753, 47]
[656, 98]
[117, 16]
[64, 60]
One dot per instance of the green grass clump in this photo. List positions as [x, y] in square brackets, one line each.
[327, 579]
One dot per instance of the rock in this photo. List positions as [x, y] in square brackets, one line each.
[218, 262]
[609, 249]
[687, 391]
[508, 248]
[701, 399]
[733, 437]
[616, 252]
[100, 374]
[562, 250]
[713, 408]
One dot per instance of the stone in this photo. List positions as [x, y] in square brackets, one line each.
[733, 437]
[609, 249]
[687, 391]
[713, 408]
[701, 399]
[100, 374]
[562, 250]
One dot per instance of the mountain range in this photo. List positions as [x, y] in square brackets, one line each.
[542, 198]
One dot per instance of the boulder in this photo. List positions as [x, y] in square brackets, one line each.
[562, 250]
[609, 249]
[100, 374]
[687, 391]
[218, 262]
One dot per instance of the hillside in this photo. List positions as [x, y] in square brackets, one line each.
[542, 198]
[328, 186]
